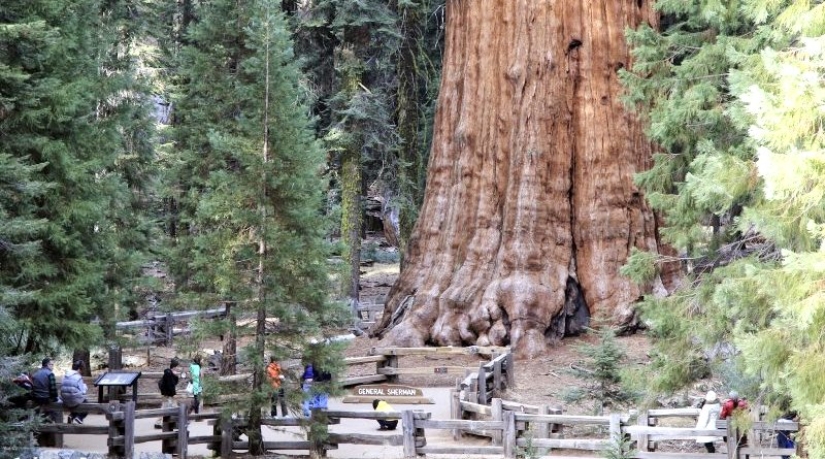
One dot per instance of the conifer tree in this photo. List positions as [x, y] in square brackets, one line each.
[730, 91]
[250, 185]
[58, 104]
[418, 69]
[362, 38]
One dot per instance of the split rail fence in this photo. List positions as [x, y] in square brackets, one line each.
[514, 430]
[476, 409]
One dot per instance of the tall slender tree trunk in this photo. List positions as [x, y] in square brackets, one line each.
[351, 185]
[408, 118]
[530, 208]
[254, 433]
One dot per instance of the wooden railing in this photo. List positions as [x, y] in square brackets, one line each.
[160, 329]
[513, 434]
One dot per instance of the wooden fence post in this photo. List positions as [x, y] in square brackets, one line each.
[542, 430]
[227, 437]
[392, 362]
[482, 385]
[408, 432]
[115, 428]
[497, 415]
[643, 440]
[129, 430]
[498, 382]
[615, 428]
[509, 370]
[509, 433]
[183, 430]
[455, 410]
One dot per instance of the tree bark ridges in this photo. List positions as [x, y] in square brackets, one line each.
[528, 214]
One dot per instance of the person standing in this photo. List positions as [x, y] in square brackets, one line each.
[44, 389]
[307, 378]
[168, 384]
[275, 375]
[383, 407]
[708, 416]
[784, 438]
[197, 388]
[73, 391]
[730, 407]
[321, 398]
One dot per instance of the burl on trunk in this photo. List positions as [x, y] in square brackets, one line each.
[530, 208]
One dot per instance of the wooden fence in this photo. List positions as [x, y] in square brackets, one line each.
[513, 434]
[160, 329]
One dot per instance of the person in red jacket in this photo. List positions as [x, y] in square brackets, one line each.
[731, 404]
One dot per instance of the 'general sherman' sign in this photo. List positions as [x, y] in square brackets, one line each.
[387, 390]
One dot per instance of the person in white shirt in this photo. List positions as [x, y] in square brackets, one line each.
[707, 420]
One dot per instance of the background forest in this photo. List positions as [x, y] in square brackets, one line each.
[233, 143]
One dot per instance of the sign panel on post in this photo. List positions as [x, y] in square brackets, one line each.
[393, 393]
[387, 390]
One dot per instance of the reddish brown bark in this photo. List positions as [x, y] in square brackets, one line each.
[530, 208]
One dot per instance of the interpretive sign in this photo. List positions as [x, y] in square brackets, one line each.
[117, 379]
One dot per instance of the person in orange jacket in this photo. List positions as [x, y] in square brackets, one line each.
[273, 371]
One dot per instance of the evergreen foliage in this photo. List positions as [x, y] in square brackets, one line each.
[418, 73]
[732, 92]
[249, 184]
[601, 374]
[64, 89]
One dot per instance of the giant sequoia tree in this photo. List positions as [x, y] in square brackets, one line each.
[530, 208]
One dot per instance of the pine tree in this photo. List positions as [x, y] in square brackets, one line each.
[58, 101]
[730, 91]
[250, 185]
[360, 134]
[601, 375]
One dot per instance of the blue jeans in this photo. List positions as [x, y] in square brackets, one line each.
[783, 440]
[318, 400]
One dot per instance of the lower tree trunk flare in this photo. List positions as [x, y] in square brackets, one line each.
[530, 208]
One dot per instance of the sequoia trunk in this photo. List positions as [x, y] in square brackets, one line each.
[530, 208]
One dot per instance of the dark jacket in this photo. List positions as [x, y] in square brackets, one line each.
[168, 383]
[44, 387]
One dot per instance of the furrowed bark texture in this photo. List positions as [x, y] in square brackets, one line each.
[530, 208]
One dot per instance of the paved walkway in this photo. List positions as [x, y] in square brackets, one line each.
[439, 410]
